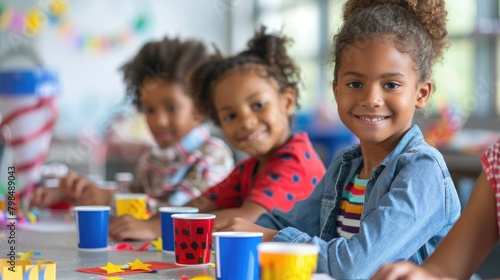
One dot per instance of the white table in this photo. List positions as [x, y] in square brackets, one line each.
[61, 247]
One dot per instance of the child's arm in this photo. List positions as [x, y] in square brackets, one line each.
[128, 227]
[239, 224]
[270, 223]
[81, 191]
[304, 216]
[45, 197]
[464, 248]
[203, 203]
[412, 211]
[74, 188]
[406, 270]
[249, 211]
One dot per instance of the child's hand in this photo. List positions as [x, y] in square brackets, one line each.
[239, 224]
[94, 195]
[81, 191]
[73, 185]
[128, 227]
[45, 197]
[404, 270]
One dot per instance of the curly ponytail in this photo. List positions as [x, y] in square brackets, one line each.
[264, 52]
[418, 27]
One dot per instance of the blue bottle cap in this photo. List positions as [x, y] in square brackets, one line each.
[30, 82]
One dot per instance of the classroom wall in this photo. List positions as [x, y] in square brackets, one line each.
[91, 85]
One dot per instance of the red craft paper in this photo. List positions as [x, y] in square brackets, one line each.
[154, 266]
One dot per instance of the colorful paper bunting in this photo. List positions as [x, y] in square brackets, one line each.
[29, 23]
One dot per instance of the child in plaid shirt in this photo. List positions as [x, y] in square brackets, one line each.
[471, 238]
[187, 159]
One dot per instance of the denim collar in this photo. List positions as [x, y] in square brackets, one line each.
[410, 139]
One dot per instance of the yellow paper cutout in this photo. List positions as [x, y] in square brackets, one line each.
[114, 278]
[48, 268]
[25, 256]
[111, 268]
[158, 243]
[26, 270]
[138, 265]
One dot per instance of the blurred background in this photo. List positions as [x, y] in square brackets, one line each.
[84, 42]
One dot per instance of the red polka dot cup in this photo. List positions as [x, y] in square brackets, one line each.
[193, 238]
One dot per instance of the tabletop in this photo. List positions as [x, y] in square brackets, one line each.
[61, 248]
[56, 241]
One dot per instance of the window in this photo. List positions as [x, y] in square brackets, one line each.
[466, 77]
[300, 21]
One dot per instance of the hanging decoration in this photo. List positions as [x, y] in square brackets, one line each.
[29, 23]
[72, 35]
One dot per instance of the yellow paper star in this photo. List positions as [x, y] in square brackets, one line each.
[111, 268]
[158, 243]
[138, 265]
[25, 256]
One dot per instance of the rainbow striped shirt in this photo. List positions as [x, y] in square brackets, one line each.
[351, 207]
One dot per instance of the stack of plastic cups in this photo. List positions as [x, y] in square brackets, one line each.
[52, 174]
[29, 114]
[122, 181]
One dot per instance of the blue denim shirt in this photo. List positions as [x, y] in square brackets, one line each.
[410, 205]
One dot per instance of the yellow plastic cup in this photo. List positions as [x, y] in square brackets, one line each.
[285, 261]
[133, 204]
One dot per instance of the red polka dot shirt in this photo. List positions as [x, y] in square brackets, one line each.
[290, 175]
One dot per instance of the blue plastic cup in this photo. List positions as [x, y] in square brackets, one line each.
[236, 255]
[92, 227]
[167, 225]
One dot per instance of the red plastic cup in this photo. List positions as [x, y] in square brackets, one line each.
[193, 238]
